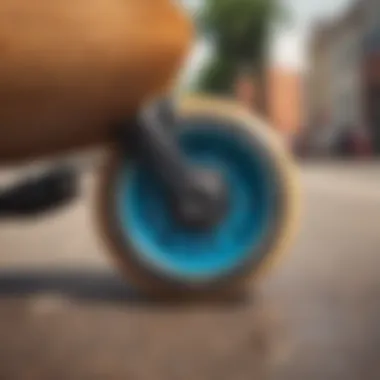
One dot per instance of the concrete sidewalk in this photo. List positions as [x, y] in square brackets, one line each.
[66, 314]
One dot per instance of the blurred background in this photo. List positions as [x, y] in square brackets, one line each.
[312, 68]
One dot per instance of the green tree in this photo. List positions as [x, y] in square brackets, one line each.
[239, 32]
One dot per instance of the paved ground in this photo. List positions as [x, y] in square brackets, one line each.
[64, 314]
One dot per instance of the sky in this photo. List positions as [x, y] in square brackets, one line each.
[289, 43]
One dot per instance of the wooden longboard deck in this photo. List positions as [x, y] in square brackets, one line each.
[69, 67]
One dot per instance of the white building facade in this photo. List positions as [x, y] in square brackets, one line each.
[346, 74]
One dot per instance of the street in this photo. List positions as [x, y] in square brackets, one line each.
[66, 314]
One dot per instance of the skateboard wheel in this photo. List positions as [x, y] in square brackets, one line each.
[162, 257]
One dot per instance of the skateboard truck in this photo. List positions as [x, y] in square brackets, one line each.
[198, 196]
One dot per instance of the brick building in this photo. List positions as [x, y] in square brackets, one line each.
[282, 105]
[284, 99]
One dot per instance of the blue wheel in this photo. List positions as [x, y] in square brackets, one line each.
[164, 257]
